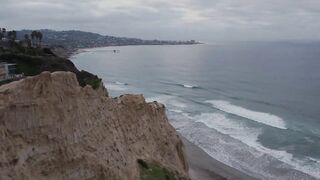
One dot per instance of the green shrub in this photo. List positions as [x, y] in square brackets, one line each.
[31, 65]
[142, 163]
[153, 171]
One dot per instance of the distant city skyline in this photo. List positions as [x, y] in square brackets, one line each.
[203, 20]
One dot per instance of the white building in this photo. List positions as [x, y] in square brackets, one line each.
[7, 71]
[5, 39]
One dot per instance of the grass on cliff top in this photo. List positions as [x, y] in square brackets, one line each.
[152, 171]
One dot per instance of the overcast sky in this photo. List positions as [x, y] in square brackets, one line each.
[204, 20]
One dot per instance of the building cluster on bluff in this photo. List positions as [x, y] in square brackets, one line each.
[8, 71]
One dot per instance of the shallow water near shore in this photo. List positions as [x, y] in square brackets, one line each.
[252, 106]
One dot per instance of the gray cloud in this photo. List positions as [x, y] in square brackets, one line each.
[206, 20]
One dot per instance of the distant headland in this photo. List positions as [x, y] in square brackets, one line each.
[74, 39]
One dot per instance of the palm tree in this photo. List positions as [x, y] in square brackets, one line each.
[12, 35]
[4, 31]
[36, 37]
[26, 36]
[33, 36]
[40, 37]
[27, 40]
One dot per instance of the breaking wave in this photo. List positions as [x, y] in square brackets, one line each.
[260, 117]
[185, 85]
[235, 143]
[120, 83]
[189, 86]
[116, 86]
[169, 101]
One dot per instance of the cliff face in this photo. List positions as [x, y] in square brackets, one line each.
[52, 128]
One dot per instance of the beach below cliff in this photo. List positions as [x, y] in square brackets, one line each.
[204, 167]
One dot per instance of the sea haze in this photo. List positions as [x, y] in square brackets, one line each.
[253, 106]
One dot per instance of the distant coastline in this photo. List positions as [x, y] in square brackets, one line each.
[73, 39]
[71, 52]
[67, 43]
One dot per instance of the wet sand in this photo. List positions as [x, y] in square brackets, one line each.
[204, 167]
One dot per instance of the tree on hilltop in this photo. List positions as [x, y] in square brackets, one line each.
[39, 37]
[2, 32]
[12, 35]
[26, 36]
[36, 35]
[33, 36]
[27, 40]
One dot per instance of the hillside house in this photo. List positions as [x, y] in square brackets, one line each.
[4, 43]
[7, 71]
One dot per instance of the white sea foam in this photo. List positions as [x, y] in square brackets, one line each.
[247, 135]
[168, 101]
[233, 128]
[121, 83]
[116, 87]
[179, 119]
[239, 130]
[190, 86]
[245, 158]
[175, 110]
[261, 117]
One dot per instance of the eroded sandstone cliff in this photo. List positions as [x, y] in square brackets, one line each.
[52, 128]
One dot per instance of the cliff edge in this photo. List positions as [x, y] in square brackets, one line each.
[52, 128]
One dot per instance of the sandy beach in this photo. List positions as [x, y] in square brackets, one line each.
[204, 167]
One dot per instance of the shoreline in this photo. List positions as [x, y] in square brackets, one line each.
[204, 167]
[75, 51]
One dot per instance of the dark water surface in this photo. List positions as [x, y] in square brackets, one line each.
[261, 99]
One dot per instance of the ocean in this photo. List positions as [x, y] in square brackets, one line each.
[254, 106]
